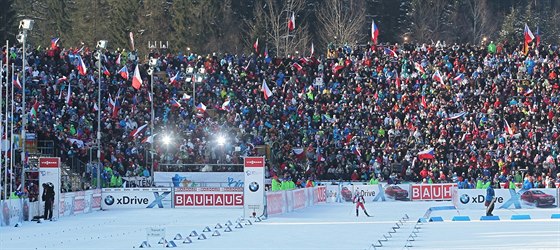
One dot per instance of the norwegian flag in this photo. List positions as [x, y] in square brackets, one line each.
[82, 69]
[16, 82]
[124, 72]
[137, 131]
[136, 79]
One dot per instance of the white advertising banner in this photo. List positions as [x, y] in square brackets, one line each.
[49, 171]
[185, 197]
[253, 190]
[119, 198]
[507, 198]
[199, 179]
[377, 192]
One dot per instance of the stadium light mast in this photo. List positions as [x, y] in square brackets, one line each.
[152, 63]
[25, 25]
[101, 45]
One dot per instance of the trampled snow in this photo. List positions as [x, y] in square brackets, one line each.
[325, 226]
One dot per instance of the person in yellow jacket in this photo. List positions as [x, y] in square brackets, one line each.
[288, 184]
[373, 180]
[276, 185]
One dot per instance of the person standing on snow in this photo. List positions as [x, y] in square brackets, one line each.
[359, 200]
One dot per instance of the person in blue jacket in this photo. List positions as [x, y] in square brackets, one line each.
[527, 184]
[489, 203]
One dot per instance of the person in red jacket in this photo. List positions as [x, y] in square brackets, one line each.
[359, 200]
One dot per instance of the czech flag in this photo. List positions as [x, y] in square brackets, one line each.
[136, 79]
[509, 131]
[356, 151]
[174, 79]
[225, 105]
[437, 77]
[139, 130]
[426, 154]
[374, 32]
[292, 22]
[16, 82]
[149, 139]
[266, 90]
[124, 72]
[459, 77]
[54, 41]
[201, 107]
[106, 71]
[175, 103]
[82, 69]
[391, 52]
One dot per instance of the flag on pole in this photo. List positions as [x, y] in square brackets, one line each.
[528, 38]
[292, 22]
[356, 151]
[424, 103]
[139, 130]
[124, 72]
[398, 81]
[106, 71]
[136, 79]
[95, 107]
[118, 62]
[459, 77]
[374, 32]
[69, 95]
[225, 105]
[82, 69]
[437, 77]
[538, 37]
[54, 42]
[266, 90]
[419, 68]
[61, 80]
[266, 51]
[34, 109]
[256, 45]
[391, 52]
[131, 39]
[312, 49]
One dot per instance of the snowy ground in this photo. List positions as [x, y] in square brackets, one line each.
[326, 226]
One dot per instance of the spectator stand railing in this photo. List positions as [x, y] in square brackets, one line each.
[200, 168]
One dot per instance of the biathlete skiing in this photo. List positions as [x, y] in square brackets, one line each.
[359, 200]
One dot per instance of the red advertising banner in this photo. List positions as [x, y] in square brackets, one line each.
[49, 162]
[320, 194]
[431, 192]
[275, 202]
[254, 162]
[208, 197]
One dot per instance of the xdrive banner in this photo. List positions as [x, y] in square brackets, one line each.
[507, 198]
[118, 198]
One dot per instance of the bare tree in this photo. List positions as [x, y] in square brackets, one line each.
[429, 19]
[341, 20]
[480, 19]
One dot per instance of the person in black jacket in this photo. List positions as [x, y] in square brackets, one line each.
[48, 197]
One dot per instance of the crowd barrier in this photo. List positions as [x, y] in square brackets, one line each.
[285, 201]
[18, 210]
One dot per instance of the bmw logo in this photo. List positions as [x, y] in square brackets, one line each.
[109, 200]
[464, 199]
[254, 186]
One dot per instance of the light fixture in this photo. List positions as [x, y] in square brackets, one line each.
[26, 24]
[102, 44]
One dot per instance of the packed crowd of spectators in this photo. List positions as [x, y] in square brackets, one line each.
[356, 113]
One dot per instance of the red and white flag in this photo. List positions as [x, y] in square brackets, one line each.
[256, 46]
[118, 59]
[82, 69]
[131, 40]
[266, 90]
[509, 131]
[292, 22]
[95, 107]
[136, 79]
[139, 130]
[149, 139]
